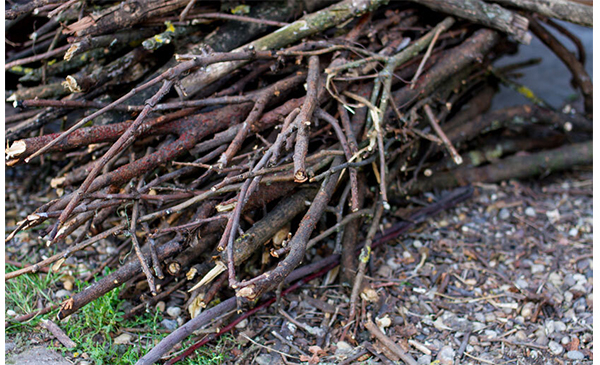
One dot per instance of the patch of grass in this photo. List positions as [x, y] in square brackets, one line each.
[93, 327]
[23, 293]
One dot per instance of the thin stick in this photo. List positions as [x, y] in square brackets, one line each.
[391, 345]
[138, 250]
[438, 130]
[240, 18]
[39, 57]
[425, 58]
[364, 257]
[303, 120]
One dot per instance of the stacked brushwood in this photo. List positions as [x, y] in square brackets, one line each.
[221, 142]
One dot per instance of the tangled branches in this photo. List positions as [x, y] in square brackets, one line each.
[198, 159]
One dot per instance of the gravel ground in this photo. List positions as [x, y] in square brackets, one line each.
[504, 278]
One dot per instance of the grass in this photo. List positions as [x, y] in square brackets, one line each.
[95, 325]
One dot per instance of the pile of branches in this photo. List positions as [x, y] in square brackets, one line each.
[212, 139]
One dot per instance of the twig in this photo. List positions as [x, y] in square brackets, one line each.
[304, 119]
[239, 18]
[364, 257]
[58, 333]
[438, 130]
[138, 250]
[391, 345]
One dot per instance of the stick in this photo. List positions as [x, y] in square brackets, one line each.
[391, 345]
[304, 119]
[438, 130]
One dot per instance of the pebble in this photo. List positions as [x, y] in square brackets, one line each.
[537, 268]
[11, 313]
[62, 293]
[160, 306]
[398, 320]
[491, 333]
[527, 310]
[504, 214]
[565, 340]
[243, 323]
[417, 244]
[490, 317]
[573, 232]
[542, 339]
[555, 347]
[530, 212]
[568, 297]
[446, 356]
[550, 327]
[521, 283]
[555, 279]
[174, 311]
[553, 215]
[424, 360]
[169, 324]
[575, 355]
[560, 326]
[123, 339]
[520, 335]
[263, 359]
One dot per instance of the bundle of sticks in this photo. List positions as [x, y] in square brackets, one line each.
[205, 140]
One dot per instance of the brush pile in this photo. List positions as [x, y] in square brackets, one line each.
[223, 144]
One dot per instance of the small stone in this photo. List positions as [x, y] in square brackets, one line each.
[520, 336]
[555, 279]
[530, 212]
[568, 297]
[417, 244]
[68, 285]
[398, 320]
[553, 216]
[169, 324]
[123, 339]
[565, 340]
[243, 323]
[570, 281]
[491, 333]
[160, 306]
[479, 317]
[391, 262]
[11, 313]
[263, 359]
[446, 356]
[504, 214]
[174, 311]
[384, 271]
[550, 327]
[490, 317]
[542, 340]
[575, 355]
[573, 232]
[537, 268]
[424, 360]
[555, 347]
[521, 283]
[527, 310]
[62, 293]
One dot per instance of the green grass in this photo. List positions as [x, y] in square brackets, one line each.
[95, 325]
